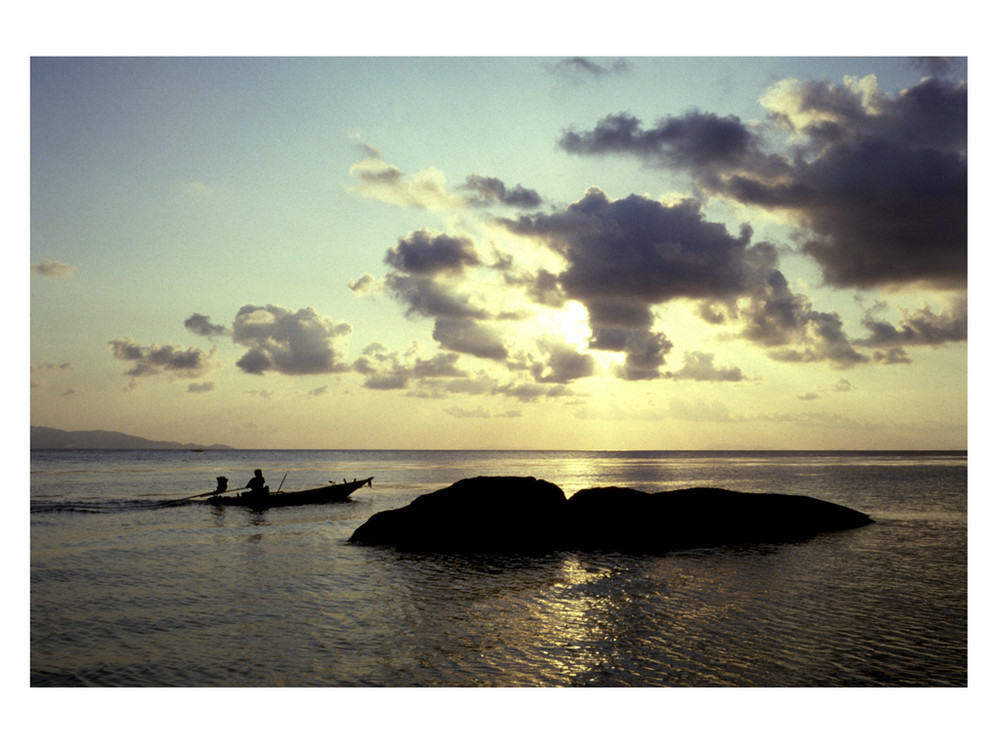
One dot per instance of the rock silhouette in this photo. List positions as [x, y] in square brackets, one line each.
[524, 514]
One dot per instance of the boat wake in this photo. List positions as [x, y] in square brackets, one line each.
[105, 506]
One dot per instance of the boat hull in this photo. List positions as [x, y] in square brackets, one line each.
[330, 493]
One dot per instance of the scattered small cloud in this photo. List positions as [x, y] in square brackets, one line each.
[578, 69]
[701, 366]
[488, 191]
[169, 359]
[54, 269]
[459, 413]
[201, 387]
[202, 325]
[387, 183]
[921, 327]
[366, 284]
[842, 386]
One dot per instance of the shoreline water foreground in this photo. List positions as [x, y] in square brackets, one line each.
[128, 590]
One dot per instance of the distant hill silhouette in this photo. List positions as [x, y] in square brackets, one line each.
[47, 438]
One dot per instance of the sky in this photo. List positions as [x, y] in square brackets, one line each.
[620, 253]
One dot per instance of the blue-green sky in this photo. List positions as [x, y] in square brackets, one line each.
[521, 252]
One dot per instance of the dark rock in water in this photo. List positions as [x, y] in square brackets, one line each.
[523, 514]
[614, 518]
[484, 514]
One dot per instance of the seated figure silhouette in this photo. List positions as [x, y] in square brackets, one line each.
[221, 484]
[256, 484]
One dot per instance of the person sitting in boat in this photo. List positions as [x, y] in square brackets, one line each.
[256, 484]
[221, 484]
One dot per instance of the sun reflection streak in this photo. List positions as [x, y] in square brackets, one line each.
[567, 621]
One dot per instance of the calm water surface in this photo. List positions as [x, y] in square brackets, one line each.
[129, 588]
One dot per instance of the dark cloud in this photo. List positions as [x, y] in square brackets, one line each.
[894, 355]
[701, 366]
[202, 325]
[625, 256]
[885, 190]
[469, 337]
[561, 362]
[288, 342]
[922, 327]
[147, 361]
[431, 298]
[784, 322]
[490, 190]
[941, 67]
[621, 251]
[423, 253]
[429, 269]
[697, 140]
[879, 183]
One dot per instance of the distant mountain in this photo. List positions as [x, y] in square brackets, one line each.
[47, 438]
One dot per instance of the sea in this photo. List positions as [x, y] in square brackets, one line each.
[135, 584]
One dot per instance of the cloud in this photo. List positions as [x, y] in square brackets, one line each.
[367, 283]
[843, 385]
[202, 325]
[288, 342]
[387, 370]
[561, 362]
[41, 367]
[785, 323]
[894, 355]
[459, 413]
[389, 184]
[51, 366]
[701, 366]
[922, 327]
[578, 68]
[940, 67]
[619, 251]
[697, 140]
[54, 269]
[469, 337]
[423, 253]
[430, 298]
[878, 183]
[625, 256]
[490, 190]
[201, 387]
[148, 361]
